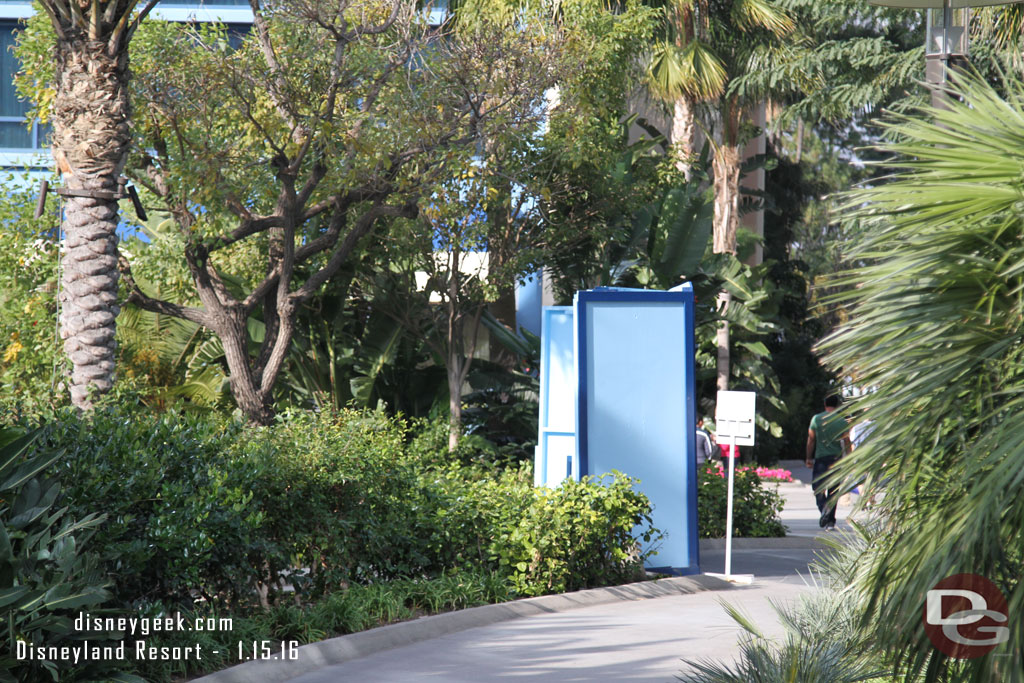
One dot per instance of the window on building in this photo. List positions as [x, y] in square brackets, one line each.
[14, 133]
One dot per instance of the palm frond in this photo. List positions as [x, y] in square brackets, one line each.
[759, 13]
[822, 642]
[693, 70]
[936, 327]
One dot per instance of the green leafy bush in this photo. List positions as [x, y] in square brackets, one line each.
[179, 524]
[756, 507]
[336, 492]
[46, 577]
[30, 359]
[202, 508]
[578, 536]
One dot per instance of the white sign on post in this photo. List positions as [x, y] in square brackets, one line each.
[734, 416]
[734, 419]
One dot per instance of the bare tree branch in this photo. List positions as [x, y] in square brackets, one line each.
[139, 298]
[362, 226]
[278, 85]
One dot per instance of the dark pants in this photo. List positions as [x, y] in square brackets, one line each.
[824, 496]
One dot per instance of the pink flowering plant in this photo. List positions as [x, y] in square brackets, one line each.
[776, 474]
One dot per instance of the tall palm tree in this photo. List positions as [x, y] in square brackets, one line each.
[936, 330]
[91, 136]
[707, 47]
[684, 71]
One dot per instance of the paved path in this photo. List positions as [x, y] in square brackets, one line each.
[640, 640]
[638, 633]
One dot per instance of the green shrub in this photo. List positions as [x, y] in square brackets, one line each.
[337, 494]
[580, 535]
[756, 507]
[180, 524]
[464, 509]
[577, 536]
[202, 508]
[46, 577]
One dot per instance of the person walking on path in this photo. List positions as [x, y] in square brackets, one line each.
[827, 441]
[704, 448]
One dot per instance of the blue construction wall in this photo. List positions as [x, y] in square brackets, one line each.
[633, 400]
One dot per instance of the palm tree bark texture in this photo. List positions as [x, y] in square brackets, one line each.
[91, 114]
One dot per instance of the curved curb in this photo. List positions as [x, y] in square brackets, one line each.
[344, 648]
[780, 543]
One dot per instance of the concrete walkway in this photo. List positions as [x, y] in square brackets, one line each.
[630, 633]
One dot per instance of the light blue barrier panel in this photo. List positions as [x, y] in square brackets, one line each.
[555, 457]
[636, 404]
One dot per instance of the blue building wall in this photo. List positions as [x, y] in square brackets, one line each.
[529, 303]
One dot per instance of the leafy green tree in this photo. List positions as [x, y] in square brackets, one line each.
[600, 49]
[593, 176]
[935, 330]
[492, 206]
[791, 189]
[708, 48]
[845, 61]
[324, 124]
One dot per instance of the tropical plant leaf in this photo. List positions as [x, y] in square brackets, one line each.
[686, 221]
[934, 329]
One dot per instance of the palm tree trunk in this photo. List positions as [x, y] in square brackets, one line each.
[90, 144]
[684, 134]
[726, 168]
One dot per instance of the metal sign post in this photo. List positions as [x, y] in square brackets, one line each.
[734, 418]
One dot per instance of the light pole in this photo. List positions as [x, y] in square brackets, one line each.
[947, 28]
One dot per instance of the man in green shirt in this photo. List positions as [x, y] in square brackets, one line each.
[827, 441]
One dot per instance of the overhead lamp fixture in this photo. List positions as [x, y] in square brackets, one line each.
[946, 35]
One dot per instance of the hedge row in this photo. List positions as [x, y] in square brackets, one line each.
[200, 508]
